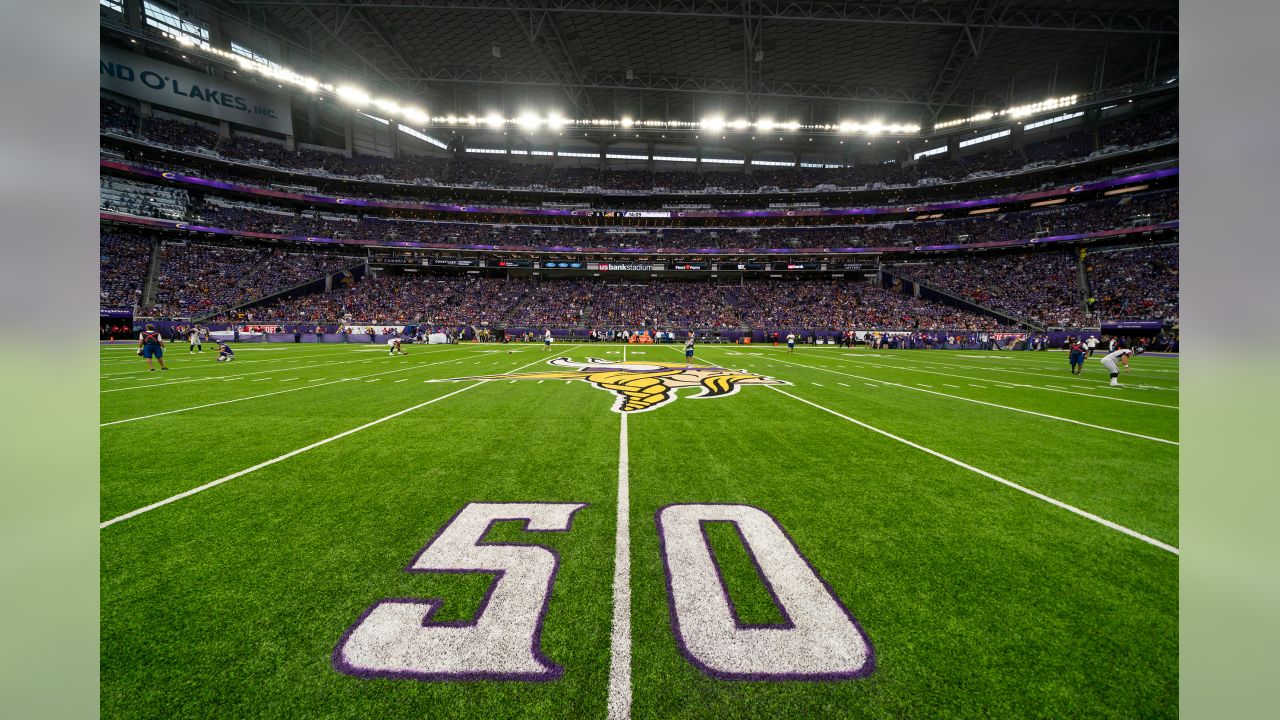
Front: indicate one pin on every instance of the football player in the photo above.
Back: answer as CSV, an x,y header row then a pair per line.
x,y
225,353
791,342
688,350
151,345
394,345
1122,354
1076,353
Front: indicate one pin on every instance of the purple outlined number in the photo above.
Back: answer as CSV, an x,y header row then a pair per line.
x,y
819,639
396,638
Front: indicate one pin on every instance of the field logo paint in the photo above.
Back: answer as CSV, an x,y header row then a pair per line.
x,y
643,386
399,637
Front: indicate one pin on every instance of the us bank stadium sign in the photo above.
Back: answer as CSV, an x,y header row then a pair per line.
x,y
629,266
176,87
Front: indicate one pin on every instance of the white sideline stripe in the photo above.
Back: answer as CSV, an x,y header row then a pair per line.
x,y
291,453
1009,483
303,358
994,405
215,377
277,392
620,636
273,461
1170,388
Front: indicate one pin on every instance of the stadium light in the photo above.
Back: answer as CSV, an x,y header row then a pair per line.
x,y
555,121
529,121
627,122
353,95
387,106
712,123
740,124
416,115
493,120
765,124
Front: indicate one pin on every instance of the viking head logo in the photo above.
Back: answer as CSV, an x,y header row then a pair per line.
x,y
644,386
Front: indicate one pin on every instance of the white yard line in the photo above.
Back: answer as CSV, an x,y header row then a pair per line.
x,y
279,458
620,636
240,375
277,392
291,453
975,401
990,476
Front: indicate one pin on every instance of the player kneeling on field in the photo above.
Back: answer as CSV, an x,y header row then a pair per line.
x,y
225,353
1109,362
394,345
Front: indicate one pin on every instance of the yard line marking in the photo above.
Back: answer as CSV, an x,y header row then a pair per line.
x,y
258,372
373,380
923,385
869,385
990,476
281,458
818,384
620,635
287,379
260,379
541,381
277,392
951,386
845,384
315,379
1023,385
512,382
402,380
1171,388
994,405
291,453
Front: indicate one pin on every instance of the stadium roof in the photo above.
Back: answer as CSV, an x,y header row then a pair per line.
x,y
903,60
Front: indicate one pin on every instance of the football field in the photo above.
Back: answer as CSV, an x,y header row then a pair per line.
x,y
493,531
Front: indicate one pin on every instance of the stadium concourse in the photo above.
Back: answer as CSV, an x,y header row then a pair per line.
x,y
588,359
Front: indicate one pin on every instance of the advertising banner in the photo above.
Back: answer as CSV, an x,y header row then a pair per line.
x,y
176,87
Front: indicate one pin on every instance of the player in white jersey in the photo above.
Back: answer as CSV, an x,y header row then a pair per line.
x,y
791,342
193,335
1109,362
546,339
394,345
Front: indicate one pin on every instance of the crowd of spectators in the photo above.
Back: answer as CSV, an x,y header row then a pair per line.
x,y
837,304
470,170
1134,283
124,258
402,299
656,304
1042,287
591,303
1125,211
200,278
143,199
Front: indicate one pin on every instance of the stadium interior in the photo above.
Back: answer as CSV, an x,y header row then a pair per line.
x,y
969,175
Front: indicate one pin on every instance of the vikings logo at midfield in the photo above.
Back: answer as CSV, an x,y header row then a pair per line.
x,y
644,386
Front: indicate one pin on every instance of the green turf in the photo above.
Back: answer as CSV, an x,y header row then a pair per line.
x,y
980,600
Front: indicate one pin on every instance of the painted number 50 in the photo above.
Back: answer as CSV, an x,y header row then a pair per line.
x,y
818,638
